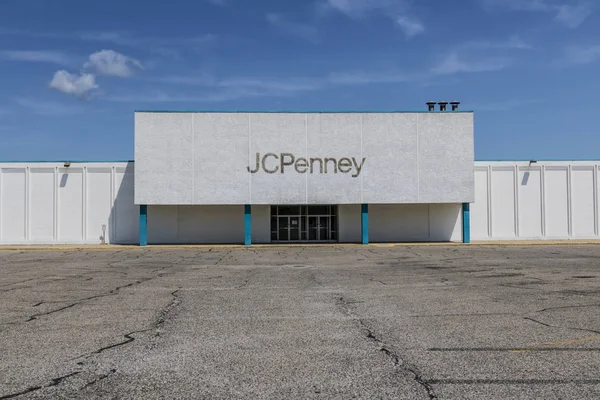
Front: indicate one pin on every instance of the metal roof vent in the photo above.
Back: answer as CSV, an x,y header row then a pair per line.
x,y
431,105
455,105
443,105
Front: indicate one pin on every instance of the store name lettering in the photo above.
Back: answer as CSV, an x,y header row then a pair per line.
x,y
272,163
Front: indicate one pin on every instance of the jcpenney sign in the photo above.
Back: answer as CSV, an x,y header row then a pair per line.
x,y
272,163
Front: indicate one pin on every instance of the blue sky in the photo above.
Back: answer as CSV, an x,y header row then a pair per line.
x,y
73,71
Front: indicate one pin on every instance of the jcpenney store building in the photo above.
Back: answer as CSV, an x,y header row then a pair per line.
x,y
298,177
303,177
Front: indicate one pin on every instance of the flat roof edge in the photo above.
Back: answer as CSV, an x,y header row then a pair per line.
x,y
298,112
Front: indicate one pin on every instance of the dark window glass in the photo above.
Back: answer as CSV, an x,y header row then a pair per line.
x,y
274,236
289,210
318,210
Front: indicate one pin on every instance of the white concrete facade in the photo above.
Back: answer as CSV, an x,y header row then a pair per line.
x,y
48,203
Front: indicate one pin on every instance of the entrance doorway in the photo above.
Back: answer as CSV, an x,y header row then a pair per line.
x,y
304,224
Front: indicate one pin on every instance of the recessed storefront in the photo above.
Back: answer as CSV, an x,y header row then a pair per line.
x,y
315,223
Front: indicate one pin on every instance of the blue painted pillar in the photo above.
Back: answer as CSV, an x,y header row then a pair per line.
x,y
247,225
466,227
143,225
364,223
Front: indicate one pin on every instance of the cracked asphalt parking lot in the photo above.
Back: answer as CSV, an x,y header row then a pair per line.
x,y
440,322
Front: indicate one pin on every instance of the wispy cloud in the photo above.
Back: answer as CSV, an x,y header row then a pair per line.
x,y
78,85
410,26
514,42
362,78
111,63
454,64
582,54
571,13
225,90
39,56
303,31
49,108
397,11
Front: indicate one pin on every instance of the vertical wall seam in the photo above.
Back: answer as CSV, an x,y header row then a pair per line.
x,y
489,200
306,154
569,203
543,198
418,166
84,202
55,208
595,200
361,157
516,200
111,215
249,157
27,204
193,160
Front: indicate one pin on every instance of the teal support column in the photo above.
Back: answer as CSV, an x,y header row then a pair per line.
x,y
466,227
247,225
143,225
364,223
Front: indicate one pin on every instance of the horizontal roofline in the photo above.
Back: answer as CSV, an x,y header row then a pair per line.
x,y
64,161
543,160
130,161
298,112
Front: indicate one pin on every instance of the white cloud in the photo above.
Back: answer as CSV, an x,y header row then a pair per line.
x,y
582,54
361,78
111,63
452,64
395,10
77,85
571,13
410,26
306,32
513,43
42,56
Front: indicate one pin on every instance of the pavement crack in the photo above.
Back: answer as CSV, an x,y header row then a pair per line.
x,y
109,293
54,382
167,310
567,307
99,378
395,358
561,327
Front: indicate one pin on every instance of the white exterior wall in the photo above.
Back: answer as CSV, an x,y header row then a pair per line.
x,y
415,222
543,200
48,203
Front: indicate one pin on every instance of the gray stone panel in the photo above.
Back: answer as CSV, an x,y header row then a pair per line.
x,y
163,158
334,136
220,153
446,158
208,158
277,134
389,144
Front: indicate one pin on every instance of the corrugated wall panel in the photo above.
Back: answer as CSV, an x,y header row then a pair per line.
x,y
583,202
124,213
530,202
41,204
503,202
98,204
479,209
557,201
70,205
14,202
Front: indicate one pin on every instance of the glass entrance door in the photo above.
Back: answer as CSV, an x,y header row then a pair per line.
x,y
303,223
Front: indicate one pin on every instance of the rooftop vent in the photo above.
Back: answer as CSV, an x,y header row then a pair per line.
x,y
455,105
431,105
443,105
